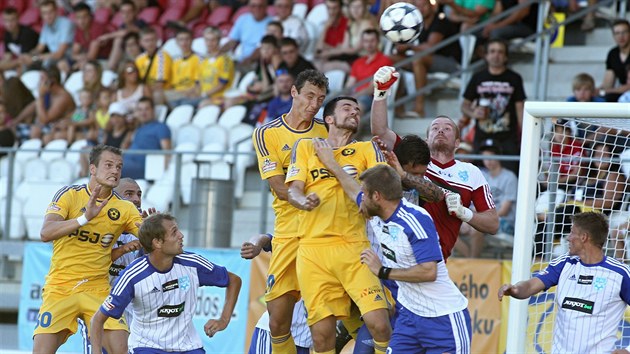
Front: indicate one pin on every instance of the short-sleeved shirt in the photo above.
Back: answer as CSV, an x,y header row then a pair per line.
x,y
590,301
61,32
249,32
503,189
84,256
614,63
337,218
161,67
214,71
277,107
362,69
164,303
273,143
407,238
472,4
25,41
185,73
147,137
335,34
503,91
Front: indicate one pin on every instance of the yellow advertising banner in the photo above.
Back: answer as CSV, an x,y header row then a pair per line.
x,y
479,280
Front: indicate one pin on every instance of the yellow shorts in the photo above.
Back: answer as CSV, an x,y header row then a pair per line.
x,y
59,311
282,277
333,276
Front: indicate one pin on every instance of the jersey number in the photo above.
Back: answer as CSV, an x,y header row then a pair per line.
x,y
85,235
43,319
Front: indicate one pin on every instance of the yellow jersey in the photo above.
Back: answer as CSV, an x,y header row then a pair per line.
x,y
84,256
185,74
214,71
337,218
273,143
160,68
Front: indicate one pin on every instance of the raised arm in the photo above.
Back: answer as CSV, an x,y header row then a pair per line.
x,y
231,295
384,79
486,221
522,289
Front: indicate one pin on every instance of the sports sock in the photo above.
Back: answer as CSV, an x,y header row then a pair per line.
x,y
380,347
283,344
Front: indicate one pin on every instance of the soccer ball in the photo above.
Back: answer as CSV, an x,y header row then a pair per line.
x,y
401,23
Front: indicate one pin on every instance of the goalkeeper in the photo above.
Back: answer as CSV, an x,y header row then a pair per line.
x,y
593,290
463,182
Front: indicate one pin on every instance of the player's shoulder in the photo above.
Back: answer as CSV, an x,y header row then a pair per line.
x,y
70,191
122,203
193,260
616,266
564,259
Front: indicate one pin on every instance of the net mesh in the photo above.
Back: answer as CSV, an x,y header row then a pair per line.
x,y
583,166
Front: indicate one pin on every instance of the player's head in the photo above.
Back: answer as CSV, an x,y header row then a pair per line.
x,y
129,189
159,232
106,165
413,154
380,184
343,113
308,92
443,135
588,227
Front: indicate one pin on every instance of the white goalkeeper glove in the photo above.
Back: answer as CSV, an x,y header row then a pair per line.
x,y
384,79
456,208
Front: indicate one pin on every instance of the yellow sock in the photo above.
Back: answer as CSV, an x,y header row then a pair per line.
x,y
326,352
283,344
380,347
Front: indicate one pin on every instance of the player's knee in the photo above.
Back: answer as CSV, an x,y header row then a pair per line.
x,y
380,329
279,325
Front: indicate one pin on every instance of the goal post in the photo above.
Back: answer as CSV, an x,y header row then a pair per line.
x,y
537,120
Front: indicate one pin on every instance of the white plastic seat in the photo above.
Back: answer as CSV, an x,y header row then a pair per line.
x,y
187,148
144,185
179,116
62,171
211,152
336,80
161,112
74,84
318,15
108,77
40,196
160,195
54,150
215,170
199,46
206,116
241,88
18,169
215,134
154,167
37,170
299,10
189,171
188,134
73,155
171,47
30,79
17,230
31,144
232,116
239,133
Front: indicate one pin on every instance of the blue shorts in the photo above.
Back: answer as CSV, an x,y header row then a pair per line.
x,y
158,351
445,334
261,343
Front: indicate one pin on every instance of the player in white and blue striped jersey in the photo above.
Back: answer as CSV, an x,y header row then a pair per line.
x,y
162,286
433,315
261,337
592,294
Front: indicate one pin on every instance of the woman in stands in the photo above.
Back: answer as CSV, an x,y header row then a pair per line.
x,y
130,89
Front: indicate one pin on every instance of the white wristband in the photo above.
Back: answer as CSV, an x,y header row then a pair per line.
x,y
468,215
82,220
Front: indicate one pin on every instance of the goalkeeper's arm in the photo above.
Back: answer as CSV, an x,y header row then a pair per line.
x,y
384,79
485,221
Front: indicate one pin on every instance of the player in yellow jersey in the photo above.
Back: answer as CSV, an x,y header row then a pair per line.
x,y
273,143
332,232
83,222
154,64
216,71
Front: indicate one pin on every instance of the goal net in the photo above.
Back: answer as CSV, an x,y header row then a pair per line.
x,y
575,157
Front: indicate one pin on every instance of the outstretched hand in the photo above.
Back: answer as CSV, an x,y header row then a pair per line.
x,y
392,160
92,209
507,290
384,79
149,211
250,250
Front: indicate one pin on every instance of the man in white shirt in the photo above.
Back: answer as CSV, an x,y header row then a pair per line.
x,y
593,290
